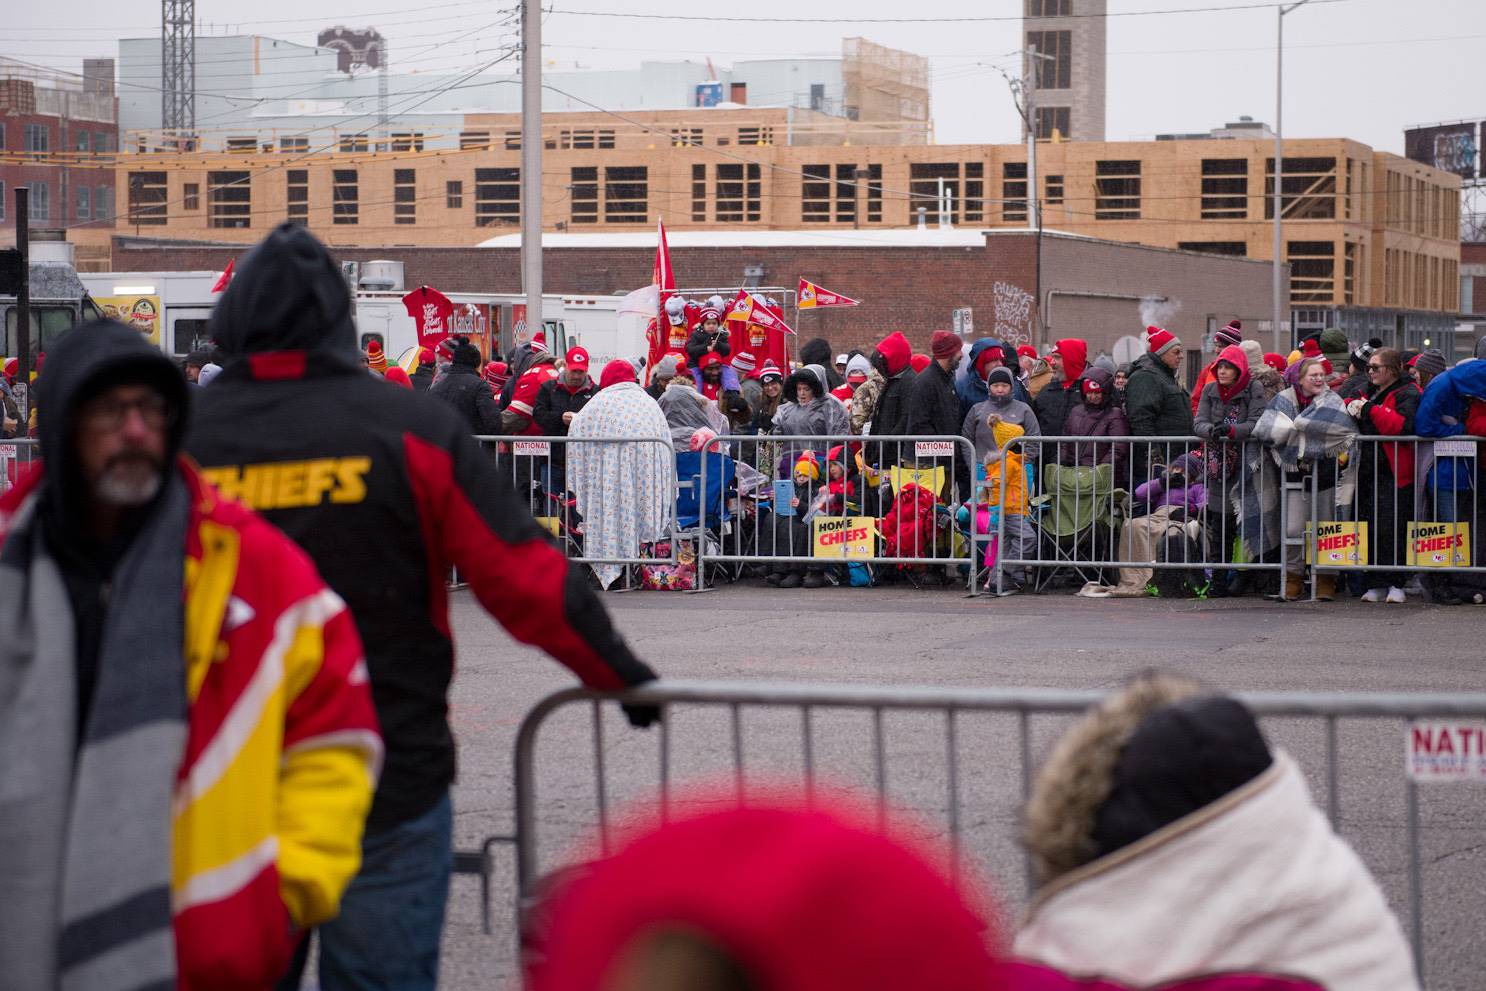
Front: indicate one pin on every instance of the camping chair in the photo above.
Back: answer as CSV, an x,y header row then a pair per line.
x,y
1080,512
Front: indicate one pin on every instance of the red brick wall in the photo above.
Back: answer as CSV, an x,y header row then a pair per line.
x,y
914,290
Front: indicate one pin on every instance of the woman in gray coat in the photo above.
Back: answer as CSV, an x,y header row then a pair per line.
x,y
1227,412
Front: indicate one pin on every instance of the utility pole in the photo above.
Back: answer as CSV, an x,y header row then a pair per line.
x,y
23,302
1280,288
1034,214
531,163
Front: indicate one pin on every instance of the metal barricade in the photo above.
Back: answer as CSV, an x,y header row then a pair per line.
x,y
1089,505
548,472
1400,509
840,509
944,724
16,456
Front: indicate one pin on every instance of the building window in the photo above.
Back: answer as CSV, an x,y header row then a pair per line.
x,y
404,196
298,145
1050,120
147,199
84,196
345,197
699,194
2,135
513,141
626,195
103,203
38,138
1349,272
229,199
1225,188
585,139
353,143
874,194
926,181
497,197
1237,249
1054,71
1048,8
1013,192
1117,190
41,200
1052,190
454,194
244,145
408,141
755,135
82,140
584,195
2,201
191,196
1309,189
738,192
1312,271
975,186
686,137
815,194
474,141
297,194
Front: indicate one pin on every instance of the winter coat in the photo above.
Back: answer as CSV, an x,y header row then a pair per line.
x,y
1103,420
1390,412
1057,399
1155,402
1442,412
971,387
422,378
391,490
516,419
864,401
982,434
700,342
554,399
1241,411
933,407
469,395
522,358
1176,844
823,416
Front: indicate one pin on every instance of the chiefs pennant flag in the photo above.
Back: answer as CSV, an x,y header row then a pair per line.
x,y
663,276
813,296
749,309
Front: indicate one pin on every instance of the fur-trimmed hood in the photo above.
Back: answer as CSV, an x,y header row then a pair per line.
x,y
1151,754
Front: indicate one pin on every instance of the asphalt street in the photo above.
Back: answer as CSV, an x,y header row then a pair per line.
x,y
896,636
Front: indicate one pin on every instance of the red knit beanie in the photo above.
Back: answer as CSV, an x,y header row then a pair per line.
x,y
944,344
1159,340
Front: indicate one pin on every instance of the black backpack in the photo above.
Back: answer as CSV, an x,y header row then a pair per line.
x,y
1175,547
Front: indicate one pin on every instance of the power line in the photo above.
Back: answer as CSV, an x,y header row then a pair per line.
x,y
852,19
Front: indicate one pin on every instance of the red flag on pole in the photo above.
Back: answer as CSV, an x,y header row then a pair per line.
x,y
663,277
224,278
813,296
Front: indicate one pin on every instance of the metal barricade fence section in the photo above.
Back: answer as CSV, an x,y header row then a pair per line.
x,y
16,456
1400,513
1120,516
961,763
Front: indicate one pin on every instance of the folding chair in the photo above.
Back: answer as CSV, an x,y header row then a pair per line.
x,y
1078,522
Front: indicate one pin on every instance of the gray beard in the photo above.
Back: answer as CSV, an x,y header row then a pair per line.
x,y
125,490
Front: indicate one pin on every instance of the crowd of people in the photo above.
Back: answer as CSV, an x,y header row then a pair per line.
x,y
225,659
1216,463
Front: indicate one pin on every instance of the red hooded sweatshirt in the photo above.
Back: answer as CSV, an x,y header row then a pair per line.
x,y
1075,359
895,351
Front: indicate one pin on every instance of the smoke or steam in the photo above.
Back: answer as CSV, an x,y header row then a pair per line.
x,y
1157,312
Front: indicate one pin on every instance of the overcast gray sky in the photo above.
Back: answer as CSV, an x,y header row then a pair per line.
x,y
1362,69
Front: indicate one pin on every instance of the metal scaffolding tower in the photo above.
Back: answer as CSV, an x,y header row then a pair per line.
x,y
178,66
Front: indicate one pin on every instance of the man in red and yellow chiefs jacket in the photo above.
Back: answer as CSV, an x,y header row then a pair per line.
x,y
386,489
186,727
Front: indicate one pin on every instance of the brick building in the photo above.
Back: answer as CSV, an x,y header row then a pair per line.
x,y
1362,229
907,280
52,125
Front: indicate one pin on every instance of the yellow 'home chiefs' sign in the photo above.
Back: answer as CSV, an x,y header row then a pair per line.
x,y
1440,545
1337,543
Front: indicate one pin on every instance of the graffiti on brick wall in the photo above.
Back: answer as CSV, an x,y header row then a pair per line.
x,y
1013,309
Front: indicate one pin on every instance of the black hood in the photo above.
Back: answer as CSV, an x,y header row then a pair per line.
x,y
288,295
82,363
817,351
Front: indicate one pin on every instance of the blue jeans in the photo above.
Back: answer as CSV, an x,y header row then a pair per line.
x,y
386,937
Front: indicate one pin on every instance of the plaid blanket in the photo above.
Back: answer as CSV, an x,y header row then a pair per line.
x,y
1294,439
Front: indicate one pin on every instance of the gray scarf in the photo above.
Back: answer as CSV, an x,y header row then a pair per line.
x,y
85,827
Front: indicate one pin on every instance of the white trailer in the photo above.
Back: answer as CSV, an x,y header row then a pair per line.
x,y
182,300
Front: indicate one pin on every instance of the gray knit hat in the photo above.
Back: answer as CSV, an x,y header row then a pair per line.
x,y
1430,363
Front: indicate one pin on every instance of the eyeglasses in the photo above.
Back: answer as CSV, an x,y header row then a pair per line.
x,y
1376,368
153,410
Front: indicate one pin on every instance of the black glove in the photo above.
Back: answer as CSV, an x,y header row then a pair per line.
x,y
641,716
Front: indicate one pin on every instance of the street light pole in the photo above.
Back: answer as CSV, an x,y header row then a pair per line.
x,y
1279,168
531,165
